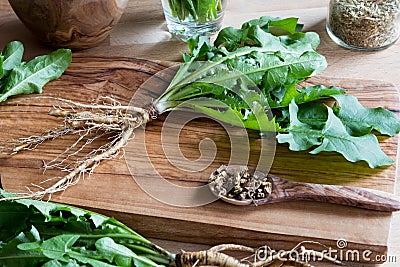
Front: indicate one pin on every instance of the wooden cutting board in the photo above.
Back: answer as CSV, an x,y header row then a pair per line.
x,y
112,189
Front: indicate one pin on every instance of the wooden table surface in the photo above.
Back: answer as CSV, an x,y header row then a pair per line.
x,y
142,33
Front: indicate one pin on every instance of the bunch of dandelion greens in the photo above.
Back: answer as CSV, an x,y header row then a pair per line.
x,y
38,233
274,55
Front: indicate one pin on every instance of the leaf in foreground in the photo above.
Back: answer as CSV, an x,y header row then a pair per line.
x,y
54,248
300,136
35,232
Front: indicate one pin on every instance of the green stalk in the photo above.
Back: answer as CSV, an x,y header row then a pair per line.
x,y
172,8
161,260
219,5
164,258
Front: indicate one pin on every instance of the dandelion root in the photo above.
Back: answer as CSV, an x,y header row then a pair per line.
x,y
215,257
89,122
207,258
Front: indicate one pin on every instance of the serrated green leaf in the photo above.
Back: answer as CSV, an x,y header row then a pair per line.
x,y
199,47
300,136
360,120
275,77
197,89
264,22
90,261
361,148
208,106
303,95
308,64
256,31
120,254
53,248
301,41
277,71
98,219
30,246
109,250
287,25
43,208
12,219
262,38
251,118
49,210
10,255
30,77
313,114
230,37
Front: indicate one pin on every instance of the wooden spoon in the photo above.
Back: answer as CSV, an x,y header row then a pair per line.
x,y
281,190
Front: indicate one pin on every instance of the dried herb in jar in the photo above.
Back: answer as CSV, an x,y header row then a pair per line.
x,y
369,24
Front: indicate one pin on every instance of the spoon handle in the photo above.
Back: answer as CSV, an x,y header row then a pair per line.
x,y
286,190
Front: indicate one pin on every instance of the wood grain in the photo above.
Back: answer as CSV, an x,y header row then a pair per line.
x,y
286,190
112,189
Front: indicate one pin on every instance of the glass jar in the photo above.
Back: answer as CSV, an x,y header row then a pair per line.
x,y
364,24
187,18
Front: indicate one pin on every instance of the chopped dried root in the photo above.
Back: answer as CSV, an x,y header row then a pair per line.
x,y
89,122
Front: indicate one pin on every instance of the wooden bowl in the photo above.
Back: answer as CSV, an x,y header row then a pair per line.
x,y
75,24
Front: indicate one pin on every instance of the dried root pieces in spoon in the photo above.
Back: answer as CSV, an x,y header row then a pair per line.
x,y
240,183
